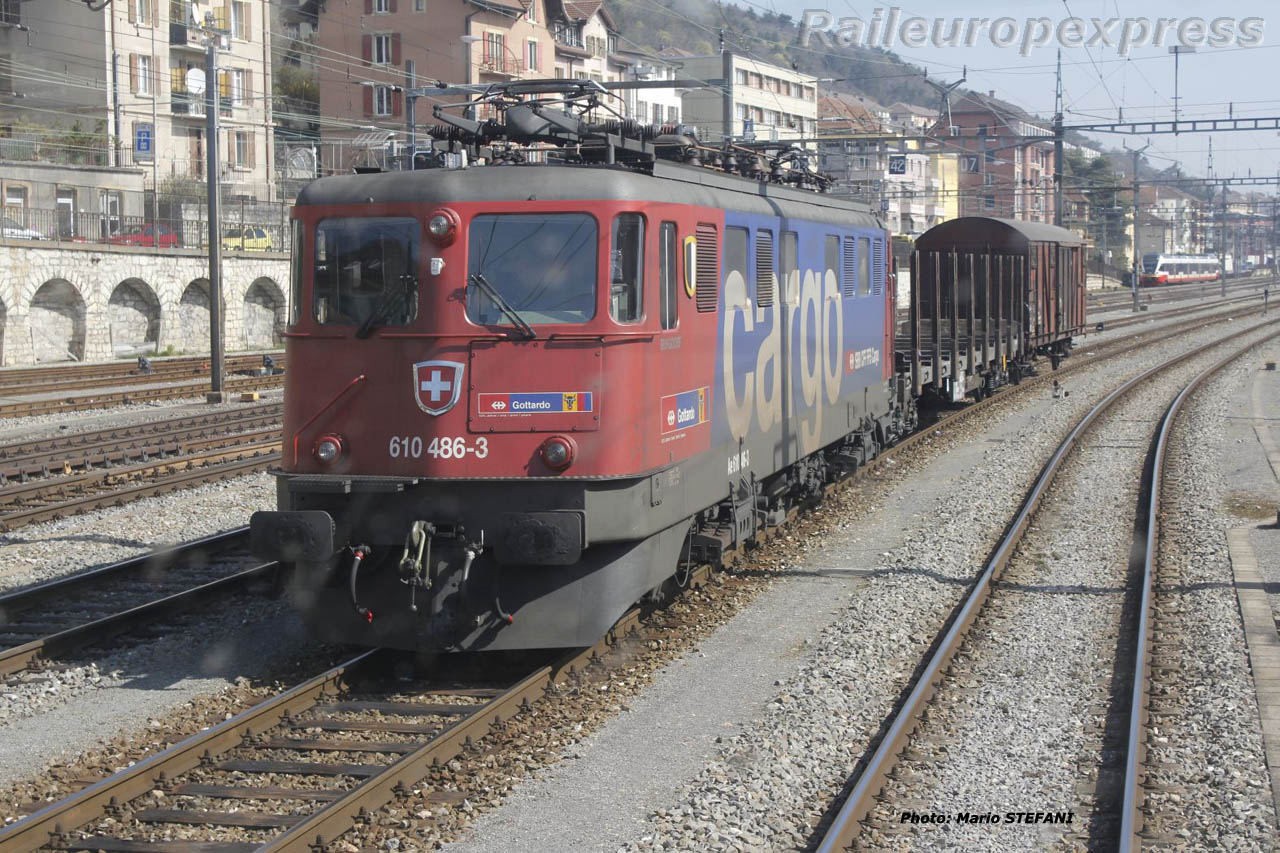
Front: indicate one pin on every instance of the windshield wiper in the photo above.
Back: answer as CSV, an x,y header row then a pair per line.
x,y
481,282
394,297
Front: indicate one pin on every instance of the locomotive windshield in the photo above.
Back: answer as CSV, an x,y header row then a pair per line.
x,y
1149,262
365,271
543,266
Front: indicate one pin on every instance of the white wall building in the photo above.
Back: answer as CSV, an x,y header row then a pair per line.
x,y
769,101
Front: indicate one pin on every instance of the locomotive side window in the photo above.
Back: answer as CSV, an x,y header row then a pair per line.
x,y
626,268
735,253
295,272
543,266
790,265
864,265
831,257
365,271
668,275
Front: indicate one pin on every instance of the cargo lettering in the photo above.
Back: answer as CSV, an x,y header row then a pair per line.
x,y
811,308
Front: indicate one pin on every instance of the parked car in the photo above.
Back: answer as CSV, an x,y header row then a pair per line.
x,y
247,239
14,230
150,236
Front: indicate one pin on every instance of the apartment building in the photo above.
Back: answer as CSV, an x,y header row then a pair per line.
x,y
110,88
1005,169
661,105
756,101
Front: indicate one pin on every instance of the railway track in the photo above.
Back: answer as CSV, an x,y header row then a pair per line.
x,y
24,379
1116,820
110,398
55,618
285,774
82,451
297,771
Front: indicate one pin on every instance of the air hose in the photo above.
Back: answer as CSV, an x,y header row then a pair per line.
x,y
357,557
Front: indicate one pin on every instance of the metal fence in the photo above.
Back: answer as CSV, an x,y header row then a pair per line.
x,y
140,219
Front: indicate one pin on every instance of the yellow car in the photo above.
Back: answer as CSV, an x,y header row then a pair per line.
x,y
247,239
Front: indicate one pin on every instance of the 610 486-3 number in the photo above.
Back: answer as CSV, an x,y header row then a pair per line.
x,y
441,447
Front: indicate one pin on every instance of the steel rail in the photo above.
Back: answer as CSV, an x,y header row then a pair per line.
x,y
65,588
24,408
1135,755
21,376
53,823
23,656
89,804
77,442
264,458
860,800
53,381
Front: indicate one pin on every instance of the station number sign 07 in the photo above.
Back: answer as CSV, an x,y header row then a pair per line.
x,y
440,447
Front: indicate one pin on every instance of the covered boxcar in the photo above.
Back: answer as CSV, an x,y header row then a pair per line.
x,y
989,295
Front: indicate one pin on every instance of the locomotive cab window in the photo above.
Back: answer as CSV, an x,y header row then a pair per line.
x,y
365,271
295,272
626,268
668,275
539,267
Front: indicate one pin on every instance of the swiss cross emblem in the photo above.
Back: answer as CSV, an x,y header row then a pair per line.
x,y
437,385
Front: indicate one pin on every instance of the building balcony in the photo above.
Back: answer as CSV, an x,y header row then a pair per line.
x,y
180,35
192,106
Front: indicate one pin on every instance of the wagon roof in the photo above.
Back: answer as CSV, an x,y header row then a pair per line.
x,y
981,231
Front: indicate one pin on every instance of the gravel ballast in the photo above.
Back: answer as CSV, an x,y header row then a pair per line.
x,y
917,545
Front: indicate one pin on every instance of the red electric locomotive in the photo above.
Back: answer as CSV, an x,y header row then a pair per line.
x,y
522,395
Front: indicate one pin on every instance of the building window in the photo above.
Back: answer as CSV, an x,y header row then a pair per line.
x,y
419,5
381,7
239,87
11,12
673,115
532,52
144,75
244,149
109,209
239,20
989,202
494,48
657,113
382,50
15,203
532,12
382,100
139,12
741,76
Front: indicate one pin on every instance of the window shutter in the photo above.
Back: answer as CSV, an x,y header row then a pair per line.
x,y
177,80
397,103
849,268
764,268
395,46
368,99
366,49
247,21
392,7
248,85
133,69
253,149
224,84
133,11
708,267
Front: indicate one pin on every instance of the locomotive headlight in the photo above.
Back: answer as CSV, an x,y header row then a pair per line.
x,y
328,449
442,225
557,452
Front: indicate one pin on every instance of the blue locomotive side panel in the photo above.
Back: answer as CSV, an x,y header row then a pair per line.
x,y
798,343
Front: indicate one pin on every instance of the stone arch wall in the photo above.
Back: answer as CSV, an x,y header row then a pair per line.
x,y
193,317
57,320
134,314
4,321
263,314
